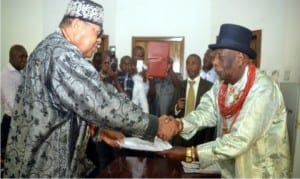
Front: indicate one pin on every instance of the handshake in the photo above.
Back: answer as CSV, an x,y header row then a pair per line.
x,y
169,127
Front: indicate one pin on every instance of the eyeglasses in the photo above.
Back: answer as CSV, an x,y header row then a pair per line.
x,y
100,34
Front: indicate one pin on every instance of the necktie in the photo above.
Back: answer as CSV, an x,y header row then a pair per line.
x,y
190,102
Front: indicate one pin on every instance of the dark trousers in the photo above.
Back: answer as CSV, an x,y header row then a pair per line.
x,y
5,126
101,154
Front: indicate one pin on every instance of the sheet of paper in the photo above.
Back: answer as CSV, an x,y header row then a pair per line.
x,y
193,167
139,144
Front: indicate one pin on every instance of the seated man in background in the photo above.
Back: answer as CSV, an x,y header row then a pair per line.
x,y
10,81
187,97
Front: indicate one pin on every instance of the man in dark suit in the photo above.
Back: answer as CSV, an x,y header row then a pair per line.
x,y
187,97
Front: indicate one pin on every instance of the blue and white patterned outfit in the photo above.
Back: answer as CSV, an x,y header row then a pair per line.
x,y
126,82
60,93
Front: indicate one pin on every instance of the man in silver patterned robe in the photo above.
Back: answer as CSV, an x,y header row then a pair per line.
x,y
60,94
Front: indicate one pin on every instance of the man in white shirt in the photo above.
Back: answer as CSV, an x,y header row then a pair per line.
x,y
10,80
139,77
140,88
208,71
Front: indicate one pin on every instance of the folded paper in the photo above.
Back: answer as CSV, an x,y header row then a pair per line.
x,y
139,144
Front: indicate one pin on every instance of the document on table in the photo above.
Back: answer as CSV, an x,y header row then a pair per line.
x,y
139,144
194,167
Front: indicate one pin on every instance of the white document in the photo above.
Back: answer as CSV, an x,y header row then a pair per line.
x,y
139,144
194,167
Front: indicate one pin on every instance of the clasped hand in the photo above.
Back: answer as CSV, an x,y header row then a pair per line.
x,y
168,127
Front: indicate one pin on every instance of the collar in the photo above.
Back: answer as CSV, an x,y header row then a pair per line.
x,y
239,85
196,79
11,68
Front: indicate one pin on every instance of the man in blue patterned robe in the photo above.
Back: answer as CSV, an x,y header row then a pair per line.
x,y
60,94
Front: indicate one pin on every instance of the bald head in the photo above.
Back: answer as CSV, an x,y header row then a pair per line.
x,y
18,56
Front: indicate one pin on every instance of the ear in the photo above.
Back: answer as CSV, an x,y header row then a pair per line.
x,y
241,58
76,25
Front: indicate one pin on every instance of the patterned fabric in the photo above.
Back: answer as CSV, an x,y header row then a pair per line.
x,y
257,146
86,10
60,93
126,82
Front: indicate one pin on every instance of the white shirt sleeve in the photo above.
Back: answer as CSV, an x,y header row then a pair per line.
x,y
139,96
10,81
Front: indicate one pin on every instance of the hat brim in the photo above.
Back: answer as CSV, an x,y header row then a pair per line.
x,y
86,20
234,46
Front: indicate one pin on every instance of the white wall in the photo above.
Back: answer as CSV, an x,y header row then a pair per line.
x,y
28,22
291,41
52,13
188,18
20,24
256,14
279,21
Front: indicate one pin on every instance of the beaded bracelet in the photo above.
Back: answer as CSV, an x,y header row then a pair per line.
x,y
193,154
188,154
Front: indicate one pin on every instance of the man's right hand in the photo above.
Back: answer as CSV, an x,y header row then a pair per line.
x,y
180,103
175,153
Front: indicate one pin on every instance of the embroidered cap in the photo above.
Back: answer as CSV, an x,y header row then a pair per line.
x,y
86,10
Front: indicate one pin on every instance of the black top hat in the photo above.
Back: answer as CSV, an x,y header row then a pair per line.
x,y
234,37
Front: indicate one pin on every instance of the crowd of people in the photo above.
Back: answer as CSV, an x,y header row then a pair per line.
x,y
64,116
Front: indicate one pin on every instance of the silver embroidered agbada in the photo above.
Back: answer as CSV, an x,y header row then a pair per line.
x,y
60,93
257,145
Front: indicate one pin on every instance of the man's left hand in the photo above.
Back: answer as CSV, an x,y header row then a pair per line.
x,y
111,137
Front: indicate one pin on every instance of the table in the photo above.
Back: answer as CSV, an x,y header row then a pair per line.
x,y
143,167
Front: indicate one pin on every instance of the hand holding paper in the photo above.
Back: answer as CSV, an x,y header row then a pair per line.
x,y
175,153
111,137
